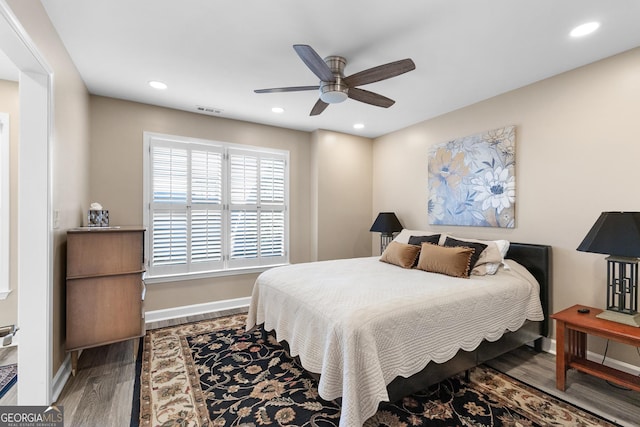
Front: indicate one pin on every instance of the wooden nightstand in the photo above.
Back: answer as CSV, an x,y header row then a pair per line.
x,y
572,329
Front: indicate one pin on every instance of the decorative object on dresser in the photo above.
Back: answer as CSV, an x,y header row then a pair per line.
x,y
617,234
105,290
386,224
97,216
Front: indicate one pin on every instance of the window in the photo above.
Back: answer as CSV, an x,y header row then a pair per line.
x,y
4,206
213,207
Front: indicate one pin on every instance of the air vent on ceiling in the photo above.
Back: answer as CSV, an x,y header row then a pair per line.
x,y
209,110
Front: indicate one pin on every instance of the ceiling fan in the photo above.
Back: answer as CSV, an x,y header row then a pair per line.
x,y
335,87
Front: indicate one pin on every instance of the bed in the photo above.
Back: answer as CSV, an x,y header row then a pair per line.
x,y
375,332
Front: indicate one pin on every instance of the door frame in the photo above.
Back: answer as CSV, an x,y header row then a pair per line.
x,y
34,226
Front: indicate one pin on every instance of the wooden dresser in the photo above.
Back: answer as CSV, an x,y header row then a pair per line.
x,y
105,291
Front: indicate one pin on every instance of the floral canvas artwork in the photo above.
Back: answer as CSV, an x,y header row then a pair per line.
x,y
472,180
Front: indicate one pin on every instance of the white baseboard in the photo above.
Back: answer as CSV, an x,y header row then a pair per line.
x,y
61,377
195,309
549,346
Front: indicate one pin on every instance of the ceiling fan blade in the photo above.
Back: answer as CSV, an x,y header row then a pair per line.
x,y
287,89
381,72
370,97
318,107
315,63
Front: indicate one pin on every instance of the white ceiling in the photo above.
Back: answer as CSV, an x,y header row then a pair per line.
x,y
215,53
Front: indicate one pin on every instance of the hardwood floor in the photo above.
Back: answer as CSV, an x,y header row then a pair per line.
x,y
593,394
101,393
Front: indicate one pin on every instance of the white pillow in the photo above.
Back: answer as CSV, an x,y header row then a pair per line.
x,y
489,267
503,246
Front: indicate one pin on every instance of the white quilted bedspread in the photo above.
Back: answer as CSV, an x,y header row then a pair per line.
x,y
361,322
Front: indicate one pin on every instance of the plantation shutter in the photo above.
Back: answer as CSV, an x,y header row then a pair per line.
x,y
257,208
186,208
272,202
214,207
169,208
206,209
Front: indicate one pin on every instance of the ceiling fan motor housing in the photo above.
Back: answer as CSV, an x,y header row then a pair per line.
x,y
334,92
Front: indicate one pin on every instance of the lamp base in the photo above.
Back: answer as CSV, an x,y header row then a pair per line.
x,y
616,316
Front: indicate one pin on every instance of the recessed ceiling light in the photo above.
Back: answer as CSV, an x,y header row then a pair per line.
x,y
358,126
277,110
584,29
157,85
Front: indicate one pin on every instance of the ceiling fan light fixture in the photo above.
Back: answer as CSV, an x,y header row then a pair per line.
x,y
333,96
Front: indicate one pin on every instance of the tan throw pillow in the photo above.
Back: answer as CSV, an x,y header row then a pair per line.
x,y
453,261
401,254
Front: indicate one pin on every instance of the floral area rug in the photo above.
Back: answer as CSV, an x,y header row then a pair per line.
x,y
8,377
214,373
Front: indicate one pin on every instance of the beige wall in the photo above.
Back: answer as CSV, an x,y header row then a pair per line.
x,y
577,142
116,181
69,151
342,195
9,103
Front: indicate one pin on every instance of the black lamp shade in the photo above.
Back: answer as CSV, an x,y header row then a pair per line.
x,y
614,233
386,223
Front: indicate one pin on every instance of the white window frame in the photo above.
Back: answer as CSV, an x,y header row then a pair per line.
x,y
227,266
5,212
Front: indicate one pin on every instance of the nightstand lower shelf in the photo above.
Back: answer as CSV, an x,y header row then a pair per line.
x,y
572,329
606,373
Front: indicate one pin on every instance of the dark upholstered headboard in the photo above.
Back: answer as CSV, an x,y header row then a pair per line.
x,y
536,259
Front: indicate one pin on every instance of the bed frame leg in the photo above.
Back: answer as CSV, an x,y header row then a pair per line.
x,y
467,375
537,345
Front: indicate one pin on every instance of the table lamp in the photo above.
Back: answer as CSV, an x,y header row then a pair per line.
x,y
617,234
386,223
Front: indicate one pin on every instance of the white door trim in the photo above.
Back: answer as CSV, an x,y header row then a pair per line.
x,y
35,276
5,212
